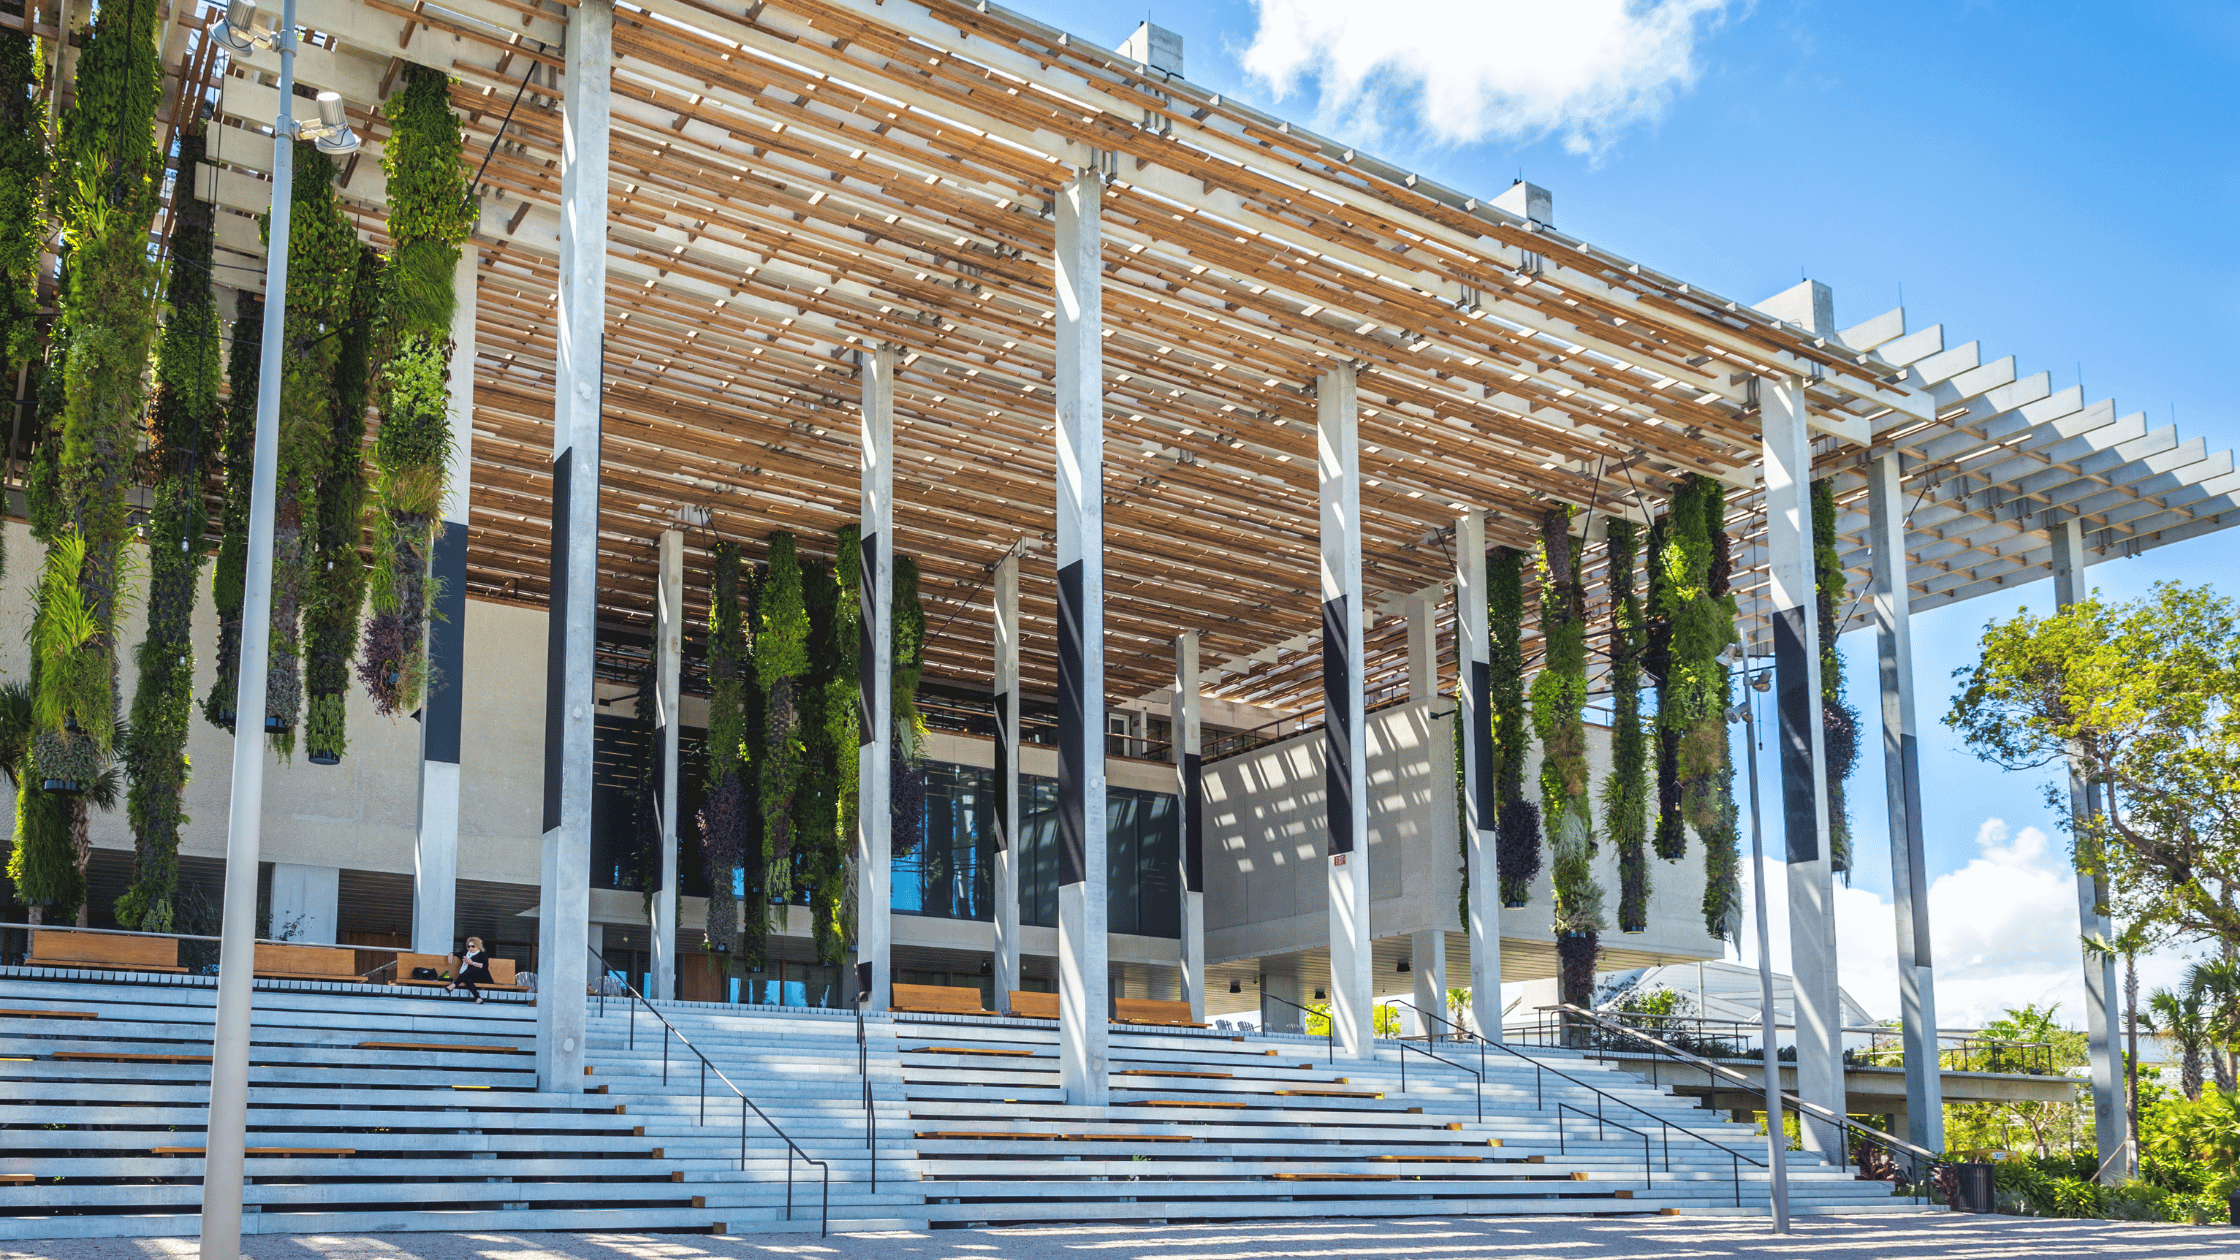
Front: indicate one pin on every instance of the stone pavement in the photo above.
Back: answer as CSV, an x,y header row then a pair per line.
x,y
1929,1236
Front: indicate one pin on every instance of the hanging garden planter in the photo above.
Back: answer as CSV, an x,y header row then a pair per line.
x,y
277,725
321,757
63,787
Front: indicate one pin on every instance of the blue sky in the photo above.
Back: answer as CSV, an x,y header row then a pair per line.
x,y
2058,180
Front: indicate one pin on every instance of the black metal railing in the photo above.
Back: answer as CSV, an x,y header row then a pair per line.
x,y
1540,1073
1476,1074
1877,1155
668,1030
1329,1025
1743,1040
870,1107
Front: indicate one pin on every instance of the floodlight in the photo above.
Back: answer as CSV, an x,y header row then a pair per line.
x,y
332,132
236,32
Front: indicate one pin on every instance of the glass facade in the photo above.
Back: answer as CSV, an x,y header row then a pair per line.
x,y
1142,840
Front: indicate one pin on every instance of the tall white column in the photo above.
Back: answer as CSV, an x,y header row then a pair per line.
x,y
1345,738
1084,1058
668,670
1474,710
564,910
1427,965
875,683
1005,585
1804,798
1190,807
225,1130
1423,649
435,849
1901,761
2103,1016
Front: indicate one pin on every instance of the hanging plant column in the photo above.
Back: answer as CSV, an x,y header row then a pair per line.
x,y
1625,793
1839,722
430,214
23,177
236,447
183,420
322,272
1692,575
1516,833
727,819
781,662
1559,700
338,571
828,849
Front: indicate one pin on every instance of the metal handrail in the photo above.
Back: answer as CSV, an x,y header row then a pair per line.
x,y
1648,1177
1539,1097
669,1030
1475,1074
1329,1028
870,1109
1868,1133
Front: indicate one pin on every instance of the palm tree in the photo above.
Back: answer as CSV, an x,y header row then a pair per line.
x,y
2216,985
2177,1019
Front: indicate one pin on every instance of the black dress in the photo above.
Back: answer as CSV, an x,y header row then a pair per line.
x,y
474,966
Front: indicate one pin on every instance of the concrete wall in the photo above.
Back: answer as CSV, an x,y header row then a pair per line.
x,y
1266,877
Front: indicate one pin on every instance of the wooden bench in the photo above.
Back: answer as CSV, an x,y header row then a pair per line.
x,y
305,962
50,1014
1152,1011
1335,1177
1209,1076
501,972
1025,1005
17,1179
1007,1054
1183,1102
938,999
110,1056
62,947
262,1150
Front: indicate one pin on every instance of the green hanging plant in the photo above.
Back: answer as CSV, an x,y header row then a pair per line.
x,y
106,200
1625,793
236,448
781,660
1516,834
431,215
322,273
826,864
183,419
1559,698
338,571
1722,862
728,818
1692,568
906,785
1839,722
1669,828
23,179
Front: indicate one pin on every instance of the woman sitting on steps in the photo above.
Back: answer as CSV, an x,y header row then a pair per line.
x,y
469,968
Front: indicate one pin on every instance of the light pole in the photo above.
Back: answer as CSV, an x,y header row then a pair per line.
x,y
1777,1129
225,1134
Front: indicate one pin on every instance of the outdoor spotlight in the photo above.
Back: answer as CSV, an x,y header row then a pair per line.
x,y
332,132
1320,996
1403,968
236,32
1235,987
1763,681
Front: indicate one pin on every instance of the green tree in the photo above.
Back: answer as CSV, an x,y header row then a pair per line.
x,y
2176,1019
2141,699
2215,985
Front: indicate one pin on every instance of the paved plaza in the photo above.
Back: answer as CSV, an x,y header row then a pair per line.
x,y
1930,1236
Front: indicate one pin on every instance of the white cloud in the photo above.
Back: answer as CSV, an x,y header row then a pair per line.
x,y
2003,932
1469,69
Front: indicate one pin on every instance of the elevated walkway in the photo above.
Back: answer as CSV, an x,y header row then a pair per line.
x,y
376,1110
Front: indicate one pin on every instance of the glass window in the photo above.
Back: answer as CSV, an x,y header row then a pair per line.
x,y
948,870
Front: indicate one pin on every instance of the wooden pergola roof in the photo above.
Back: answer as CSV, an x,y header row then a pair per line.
x,y
794,180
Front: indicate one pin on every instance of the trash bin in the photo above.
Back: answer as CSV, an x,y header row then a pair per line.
x,y
1978,1187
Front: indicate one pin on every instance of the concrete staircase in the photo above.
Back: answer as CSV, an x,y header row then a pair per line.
x,y
377,1109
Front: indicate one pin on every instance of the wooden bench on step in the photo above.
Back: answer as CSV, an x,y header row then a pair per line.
x,y
937,999
14,1014
1152,1011
501,972
1025,1005
305,962
62,947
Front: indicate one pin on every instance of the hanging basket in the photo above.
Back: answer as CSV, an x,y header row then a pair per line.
x,y
63,787
321,757
1514,905
225,719
277,725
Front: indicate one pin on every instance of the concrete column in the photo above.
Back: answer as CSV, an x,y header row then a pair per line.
x,y
308,900
1345,737
668,669
564,909
1282,983
2103,1015
1474,710
435,850
1427,963
1901,761
1190,799
1006,594
1796,649
1084,1059
875,682
1423,649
